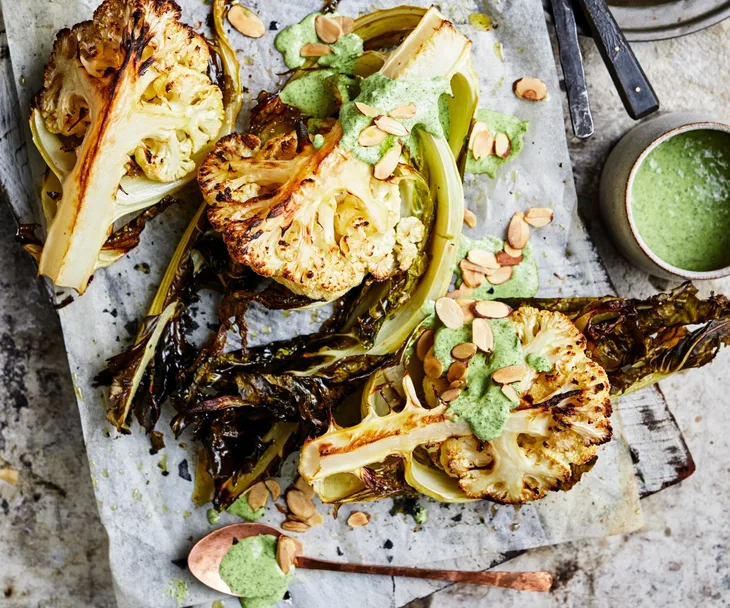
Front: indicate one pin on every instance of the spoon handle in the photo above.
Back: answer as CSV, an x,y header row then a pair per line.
x,y
522,581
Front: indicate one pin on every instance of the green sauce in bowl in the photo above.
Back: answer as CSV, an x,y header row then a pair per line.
x,y
680,200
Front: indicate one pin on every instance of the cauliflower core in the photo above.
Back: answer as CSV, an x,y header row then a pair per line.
x,y
316,221
561,418
132,85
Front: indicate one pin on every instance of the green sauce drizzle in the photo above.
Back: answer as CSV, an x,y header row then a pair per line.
x,y
241,509
539,363
512,126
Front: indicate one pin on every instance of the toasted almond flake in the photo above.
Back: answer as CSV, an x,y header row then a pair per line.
x,y
367,110
432,367
479,127
424,344
450,395
457,371
472,279
500,276
502,145
246,21
450,313
457,383
286,553
328,30
258,496
539,216
391,125
466,307
358,519
487,259
291,525
315,49
491,309
465,264
510,393
505,259
9,475
509,250
509,374
347,24
301,485
273,487
483,145
464,351
531,89
371,136
518,232
462,292
316,519
299,504
388,163
482,335
469,218
404,112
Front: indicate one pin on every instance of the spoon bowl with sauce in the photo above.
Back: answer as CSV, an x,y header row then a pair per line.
x,y
230,558
665,197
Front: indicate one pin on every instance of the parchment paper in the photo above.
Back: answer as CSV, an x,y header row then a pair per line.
x,y
149,516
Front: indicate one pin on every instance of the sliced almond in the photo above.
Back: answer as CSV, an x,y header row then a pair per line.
x,y
450,313
479,127
246,21
388,163
328,30
483,145
518,232
464,351
291,525
315,49
432,367
450,395
258,496
316,519
367,110
301,485
509,374
392,126
457,383
490,309
510,393
358,519
466,307
469,218
371,136
539,216
465,264
497,277
299,504
286,553
487,259
472,279
424,344
509,250
502,145
505,259
457,371
531,89
347,24
482,335
404,112
274,488
462,292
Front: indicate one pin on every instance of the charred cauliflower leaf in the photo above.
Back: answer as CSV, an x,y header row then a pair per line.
x,y
125,112
316,220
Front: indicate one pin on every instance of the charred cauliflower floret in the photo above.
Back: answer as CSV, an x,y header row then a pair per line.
x,y
129,93
562,416
316,221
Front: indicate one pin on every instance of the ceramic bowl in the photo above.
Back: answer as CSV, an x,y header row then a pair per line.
x,y
617,180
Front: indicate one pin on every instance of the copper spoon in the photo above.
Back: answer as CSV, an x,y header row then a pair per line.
x,y
205,558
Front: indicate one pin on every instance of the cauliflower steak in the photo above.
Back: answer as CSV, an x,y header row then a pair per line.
x,y
316,220
125,95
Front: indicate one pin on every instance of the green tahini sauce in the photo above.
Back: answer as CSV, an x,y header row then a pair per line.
x,y
242,509
680,200
482,403
250,570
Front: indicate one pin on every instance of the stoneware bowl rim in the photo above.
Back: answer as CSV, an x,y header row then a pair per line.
x,y
675,270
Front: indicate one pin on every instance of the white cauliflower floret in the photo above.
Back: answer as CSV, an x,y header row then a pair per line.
x,y
316,221
133,85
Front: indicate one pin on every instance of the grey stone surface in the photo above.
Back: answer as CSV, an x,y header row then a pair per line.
x,y
52,547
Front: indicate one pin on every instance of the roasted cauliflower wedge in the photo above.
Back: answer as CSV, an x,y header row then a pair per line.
x,y
317,221
125,112
554,429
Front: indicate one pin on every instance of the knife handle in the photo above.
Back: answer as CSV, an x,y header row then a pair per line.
x,y
633,86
